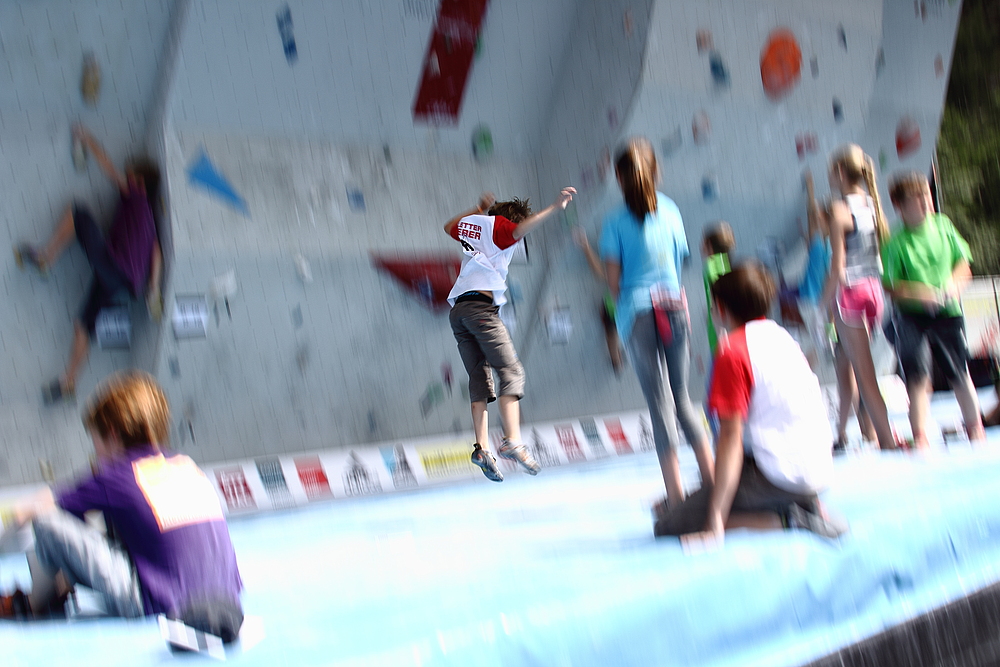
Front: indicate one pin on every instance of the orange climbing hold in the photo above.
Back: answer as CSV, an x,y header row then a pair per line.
x,y
780,63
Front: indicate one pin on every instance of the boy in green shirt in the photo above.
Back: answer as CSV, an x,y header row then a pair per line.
x,y
925,268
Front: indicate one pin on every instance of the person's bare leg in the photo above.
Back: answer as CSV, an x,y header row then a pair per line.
x,y
919,392
846,392
754,521
968,401
670,468
865,423
858,348
78,357
62,236
481,423
510,416
706,464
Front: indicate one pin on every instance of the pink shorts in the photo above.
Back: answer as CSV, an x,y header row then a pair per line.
x,y
862,303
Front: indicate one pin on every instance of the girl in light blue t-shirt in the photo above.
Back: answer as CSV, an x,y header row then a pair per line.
x,y
643,246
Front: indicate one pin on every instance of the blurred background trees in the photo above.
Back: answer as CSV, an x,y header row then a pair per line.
x,y
969,145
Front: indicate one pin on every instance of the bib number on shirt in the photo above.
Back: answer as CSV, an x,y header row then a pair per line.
x,y
177,491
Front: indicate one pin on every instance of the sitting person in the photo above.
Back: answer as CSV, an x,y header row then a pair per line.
x,y
168,549
127,263
773,450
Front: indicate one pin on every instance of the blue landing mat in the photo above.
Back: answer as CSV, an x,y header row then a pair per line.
x,y
562,570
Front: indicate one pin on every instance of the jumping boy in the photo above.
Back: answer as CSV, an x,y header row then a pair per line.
x,y
925,268
483,341
172,554
126,264
773,450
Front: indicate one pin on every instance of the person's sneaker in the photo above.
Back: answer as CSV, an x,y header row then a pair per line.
x,y
485,460
26,254
800,518
515,451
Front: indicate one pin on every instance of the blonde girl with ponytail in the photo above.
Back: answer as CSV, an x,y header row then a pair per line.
x,y
853,289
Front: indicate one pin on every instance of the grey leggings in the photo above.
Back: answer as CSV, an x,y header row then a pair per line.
x,y
649,356
86,557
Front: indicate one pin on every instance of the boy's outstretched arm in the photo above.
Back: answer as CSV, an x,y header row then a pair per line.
x,y
485,201
529,223
728,468
95,148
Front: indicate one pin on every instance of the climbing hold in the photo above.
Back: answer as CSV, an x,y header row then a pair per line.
x,y
718,69
701,127
90,80
907,137
780,63
482,142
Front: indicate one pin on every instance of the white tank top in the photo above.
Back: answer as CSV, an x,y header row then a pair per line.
x,y
861,250
485,264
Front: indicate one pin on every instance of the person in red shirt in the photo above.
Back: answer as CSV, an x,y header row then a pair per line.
x,y
488,234
773,452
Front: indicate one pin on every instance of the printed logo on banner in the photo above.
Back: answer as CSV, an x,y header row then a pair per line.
x,y
589,427
273,479
543,453
445,461
570,445
313,478
358,480
234,487
617,435
398,466
646,443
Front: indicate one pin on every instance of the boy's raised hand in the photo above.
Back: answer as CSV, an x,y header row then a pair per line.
x,y
486,200
565,197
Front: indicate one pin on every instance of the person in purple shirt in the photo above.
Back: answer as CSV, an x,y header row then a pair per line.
x,y
126,264
167,550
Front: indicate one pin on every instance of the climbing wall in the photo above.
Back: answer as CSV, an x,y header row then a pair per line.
x,y
739,98
44,46
297,152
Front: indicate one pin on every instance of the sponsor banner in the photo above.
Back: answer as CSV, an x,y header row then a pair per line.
x,y
448,459
233,487
312,478
982,316
272,477
359,471
274,482
397,462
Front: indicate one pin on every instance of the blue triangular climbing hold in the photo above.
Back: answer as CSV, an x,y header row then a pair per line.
x,y
203,172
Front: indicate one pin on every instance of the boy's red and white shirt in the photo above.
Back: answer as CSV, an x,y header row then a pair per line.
x,y
488,242
761,376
